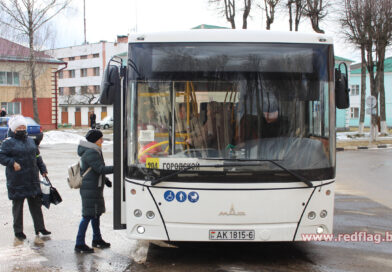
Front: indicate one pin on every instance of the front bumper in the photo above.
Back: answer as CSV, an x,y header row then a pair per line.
x,y
281,215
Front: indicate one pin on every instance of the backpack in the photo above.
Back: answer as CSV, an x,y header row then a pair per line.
x,y
74,176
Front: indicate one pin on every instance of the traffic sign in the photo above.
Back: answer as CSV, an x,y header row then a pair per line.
x,y
371,111
371,101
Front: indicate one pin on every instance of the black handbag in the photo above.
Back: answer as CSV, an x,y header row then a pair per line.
x,y
45,193
54,196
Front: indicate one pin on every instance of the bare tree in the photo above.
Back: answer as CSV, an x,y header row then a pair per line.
x,y
67,99
269,8
357,27
298,7
370,26
230,12
382,30
354,29
378,24
27,17
316,10
228,9
89,96
245,14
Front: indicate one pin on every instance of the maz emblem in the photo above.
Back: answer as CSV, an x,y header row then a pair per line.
x,y
232,212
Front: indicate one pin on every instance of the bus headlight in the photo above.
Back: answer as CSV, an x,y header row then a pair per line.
x,y
311,215
137,213
323,214
150,214
140,229
320,229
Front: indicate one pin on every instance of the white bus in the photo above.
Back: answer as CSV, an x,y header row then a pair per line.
x,y
225,135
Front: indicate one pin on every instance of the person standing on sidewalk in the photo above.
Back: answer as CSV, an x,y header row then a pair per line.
x,y
91,191
93,118
20,155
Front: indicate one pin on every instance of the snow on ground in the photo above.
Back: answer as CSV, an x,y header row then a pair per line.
x,y
348,135
54,137
353,135
60,137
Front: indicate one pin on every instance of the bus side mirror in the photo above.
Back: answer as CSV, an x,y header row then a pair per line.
x,y
111,84
342,97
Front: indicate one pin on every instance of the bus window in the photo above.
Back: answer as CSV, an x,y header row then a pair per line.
x,y
213,101
204,119
153,119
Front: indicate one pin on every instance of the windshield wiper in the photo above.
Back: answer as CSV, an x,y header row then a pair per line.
x,y
298,176
225,164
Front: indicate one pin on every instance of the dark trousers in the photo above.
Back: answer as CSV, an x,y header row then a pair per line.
x,y
80,238
35,211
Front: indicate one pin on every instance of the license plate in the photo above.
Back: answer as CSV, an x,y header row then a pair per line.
x,y
232,234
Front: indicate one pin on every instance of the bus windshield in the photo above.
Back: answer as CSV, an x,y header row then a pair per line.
x,y
199,104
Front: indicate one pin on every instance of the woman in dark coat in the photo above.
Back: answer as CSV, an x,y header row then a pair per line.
x,y
21,157
91,191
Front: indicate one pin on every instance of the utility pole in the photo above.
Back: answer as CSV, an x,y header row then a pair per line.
x,y
136,16
84,18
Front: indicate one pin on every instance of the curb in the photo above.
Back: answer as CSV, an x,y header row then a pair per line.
x,y
363,147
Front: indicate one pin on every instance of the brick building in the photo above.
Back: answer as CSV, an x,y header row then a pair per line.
x,y
15,83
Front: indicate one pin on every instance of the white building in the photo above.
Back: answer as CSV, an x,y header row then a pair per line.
x,y
79,83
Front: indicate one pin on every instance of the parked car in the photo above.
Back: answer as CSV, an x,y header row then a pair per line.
x,y
105,123
34,130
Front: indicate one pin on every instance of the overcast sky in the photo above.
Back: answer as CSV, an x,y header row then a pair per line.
x,y
108,18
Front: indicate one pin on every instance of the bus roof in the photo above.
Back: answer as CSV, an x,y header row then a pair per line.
x,y
230,35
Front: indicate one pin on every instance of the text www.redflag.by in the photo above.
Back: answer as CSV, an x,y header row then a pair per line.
x,y
361,236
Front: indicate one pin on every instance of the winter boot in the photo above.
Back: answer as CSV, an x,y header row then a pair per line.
x,y
100,244
83,249
20,235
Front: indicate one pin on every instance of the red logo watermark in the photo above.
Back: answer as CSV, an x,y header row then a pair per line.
x,y
360,236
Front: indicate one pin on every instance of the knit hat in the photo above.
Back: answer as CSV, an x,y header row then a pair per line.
x,y
17,121
93,135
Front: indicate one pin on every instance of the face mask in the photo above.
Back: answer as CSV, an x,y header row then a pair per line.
x,y
20,134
